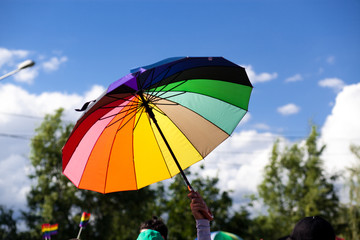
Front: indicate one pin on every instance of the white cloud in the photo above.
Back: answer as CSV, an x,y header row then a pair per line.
x,y
261,77
261,126
334,83
14,162
295,78
54,63
288,109
239,162
245,119
342,128
14,183
9,59
243,155
26,75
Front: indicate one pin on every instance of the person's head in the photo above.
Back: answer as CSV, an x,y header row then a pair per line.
x,y
155,224
313,228
149,234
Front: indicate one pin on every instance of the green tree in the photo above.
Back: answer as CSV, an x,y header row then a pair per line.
x,y
8,228
180,222
117,216
241,224
354,196
296,186
52,197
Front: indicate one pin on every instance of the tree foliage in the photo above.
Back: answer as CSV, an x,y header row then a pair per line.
x,y
351,213
180,222
7,224
295,185
51,198
354,194
115,216
54,199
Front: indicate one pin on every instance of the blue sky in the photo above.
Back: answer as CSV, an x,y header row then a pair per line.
x,y
302,57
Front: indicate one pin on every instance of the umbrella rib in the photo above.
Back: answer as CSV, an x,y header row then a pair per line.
x,y
157,127
141,112
180,83
153,78
160,92
161,112
108,163
120,106
119,98
133,110
176,94
166,104
137,80
157,141
110,116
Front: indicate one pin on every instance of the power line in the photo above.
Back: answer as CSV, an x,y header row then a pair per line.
x,y
21,115
24,137
31,116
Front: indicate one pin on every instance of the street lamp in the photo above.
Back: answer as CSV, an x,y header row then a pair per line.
x,y
23,65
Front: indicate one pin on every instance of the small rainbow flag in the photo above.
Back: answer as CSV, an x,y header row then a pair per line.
x,y
53,228
84,219
49,229
45,229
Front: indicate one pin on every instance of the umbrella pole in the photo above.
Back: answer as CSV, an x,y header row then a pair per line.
x,y
208,214
173,155
152,116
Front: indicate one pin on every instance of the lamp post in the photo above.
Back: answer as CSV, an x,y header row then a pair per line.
x,y
23,65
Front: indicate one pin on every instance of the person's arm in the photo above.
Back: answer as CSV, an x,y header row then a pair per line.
x,y
201,214
203,229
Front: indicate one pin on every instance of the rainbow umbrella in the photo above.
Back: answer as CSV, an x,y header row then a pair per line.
x,y
154,122
220,235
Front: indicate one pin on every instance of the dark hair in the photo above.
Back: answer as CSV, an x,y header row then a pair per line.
x,y
155,224
313,228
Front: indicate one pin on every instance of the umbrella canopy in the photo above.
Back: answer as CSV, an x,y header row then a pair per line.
x,y
154,122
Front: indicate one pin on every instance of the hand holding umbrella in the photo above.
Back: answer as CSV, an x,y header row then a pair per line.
x,y
199,208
